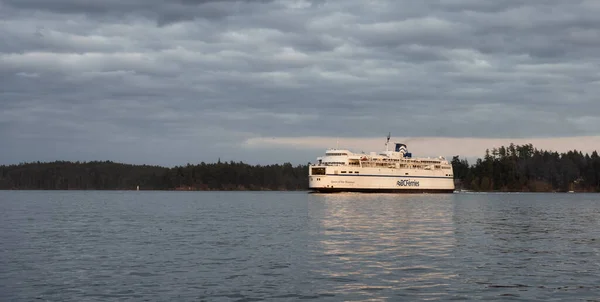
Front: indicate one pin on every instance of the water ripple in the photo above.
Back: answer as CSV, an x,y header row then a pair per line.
x,y
273,246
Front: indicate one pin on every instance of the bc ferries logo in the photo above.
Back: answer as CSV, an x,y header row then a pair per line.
x,y
407,183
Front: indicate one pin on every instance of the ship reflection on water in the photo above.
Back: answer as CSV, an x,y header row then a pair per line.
x,y
375,246
455,246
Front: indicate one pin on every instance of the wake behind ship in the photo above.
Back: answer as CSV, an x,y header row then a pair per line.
x,y
385,172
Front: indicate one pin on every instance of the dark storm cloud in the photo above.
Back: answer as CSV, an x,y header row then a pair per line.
x,y
179,81
163,11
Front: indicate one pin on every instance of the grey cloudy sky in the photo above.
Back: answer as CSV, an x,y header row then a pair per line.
x,y
178,81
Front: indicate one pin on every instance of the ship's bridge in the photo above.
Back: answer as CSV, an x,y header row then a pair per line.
x,y
337,152
334,157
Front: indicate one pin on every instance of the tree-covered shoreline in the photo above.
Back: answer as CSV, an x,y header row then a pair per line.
x,y
516,168
523,168
107,175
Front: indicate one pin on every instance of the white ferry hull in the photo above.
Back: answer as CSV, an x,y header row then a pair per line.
x,y
393,181
403,191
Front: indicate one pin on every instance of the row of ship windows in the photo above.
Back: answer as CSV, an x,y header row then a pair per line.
x,y
321,171
356,172
336,154
402,166
404,173
333,163
384,165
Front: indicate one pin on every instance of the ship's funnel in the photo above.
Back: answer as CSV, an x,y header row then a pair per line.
x,y
401,148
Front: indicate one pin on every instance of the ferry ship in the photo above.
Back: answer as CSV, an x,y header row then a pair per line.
x,y
396,171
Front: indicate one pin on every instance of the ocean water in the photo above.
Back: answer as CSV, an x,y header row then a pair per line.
x,y
290,246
